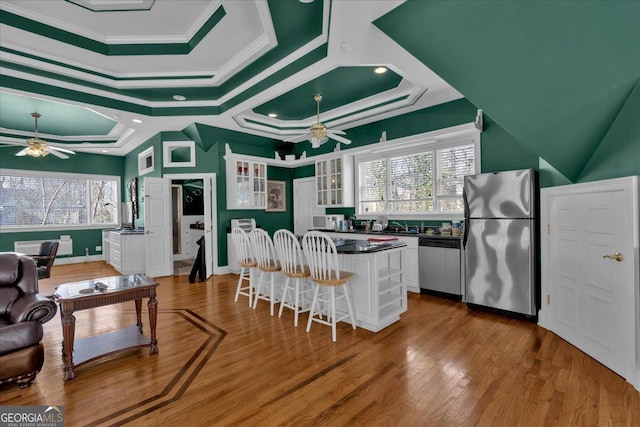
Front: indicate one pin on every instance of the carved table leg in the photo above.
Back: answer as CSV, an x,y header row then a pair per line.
x,y
153,316
139,315
68,334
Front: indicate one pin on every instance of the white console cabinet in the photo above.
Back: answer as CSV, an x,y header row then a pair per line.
x,y
124,251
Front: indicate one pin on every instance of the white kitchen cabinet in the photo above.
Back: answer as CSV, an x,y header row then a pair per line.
x,y
409,256
246,183
410,263
124,251
377,290
334,182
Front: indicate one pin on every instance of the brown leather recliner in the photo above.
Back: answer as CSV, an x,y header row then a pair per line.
x,y
22,313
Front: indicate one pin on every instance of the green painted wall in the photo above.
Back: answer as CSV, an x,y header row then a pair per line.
x,y
210,150
500,151
77,163
554,74
619,151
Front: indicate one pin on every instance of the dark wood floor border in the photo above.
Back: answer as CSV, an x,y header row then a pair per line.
x,y
183,378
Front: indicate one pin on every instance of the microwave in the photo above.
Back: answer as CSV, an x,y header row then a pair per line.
x,y
327,222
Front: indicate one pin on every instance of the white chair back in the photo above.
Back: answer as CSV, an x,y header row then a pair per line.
x,y
289,251
321,255
242,244
263,250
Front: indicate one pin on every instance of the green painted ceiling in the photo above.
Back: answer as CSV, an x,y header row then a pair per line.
x,y
559,76
555,74
338,87
55,117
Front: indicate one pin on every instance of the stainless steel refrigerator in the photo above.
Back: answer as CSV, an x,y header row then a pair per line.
x,y
501,241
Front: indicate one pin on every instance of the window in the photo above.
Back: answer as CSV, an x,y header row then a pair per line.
x,y
426,180
145,162
33,199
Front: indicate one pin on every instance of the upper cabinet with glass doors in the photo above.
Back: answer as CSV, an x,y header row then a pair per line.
x,y
246,184
334,182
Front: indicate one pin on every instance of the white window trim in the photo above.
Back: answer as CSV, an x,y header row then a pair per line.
x,y
54,227
167,146
408,147
142,157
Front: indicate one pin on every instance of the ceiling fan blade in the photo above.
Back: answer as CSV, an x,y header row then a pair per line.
x,y
14,143
297,138
64,150
336,131
56,153
338,138
22,153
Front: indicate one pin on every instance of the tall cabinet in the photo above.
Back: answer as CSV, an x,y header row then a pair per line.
x,y
334,182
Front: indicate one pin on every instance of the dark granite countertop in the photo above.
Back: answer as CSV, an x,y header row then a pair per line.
x,y
352,246
400,233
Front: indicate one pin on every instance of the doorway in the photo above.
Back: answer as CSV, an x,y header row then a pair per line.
x,y
194,216
187,206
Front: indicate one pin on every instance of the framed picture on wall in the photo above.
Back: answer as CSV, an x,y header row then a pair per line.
x,y
276,196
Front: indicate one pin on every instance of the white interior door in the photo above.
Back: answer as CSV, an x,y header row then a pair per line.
x,y
157,227
210,225
304,205
588,297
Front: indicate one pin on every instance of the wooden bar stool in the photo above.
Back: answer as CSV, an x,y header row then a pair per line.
x,y
268,264
293,267
322,256
245,260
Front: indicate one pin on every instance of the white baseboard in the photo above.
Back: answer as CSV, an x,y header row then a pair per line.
x,y
222,270
76,259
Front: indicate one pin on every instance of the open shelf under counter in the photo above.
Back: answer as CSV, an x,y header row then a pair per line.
x,y
377,290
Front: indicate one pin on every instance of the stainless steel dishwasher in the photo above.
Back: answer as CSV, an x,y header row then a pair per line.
x,y
440,261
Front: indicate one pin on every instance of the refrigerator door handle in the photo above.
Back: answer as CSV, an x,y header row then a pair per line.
x,y
467,224
466,203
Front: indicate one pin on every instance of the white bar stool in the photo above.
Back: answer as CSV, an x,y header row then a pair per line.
x,y
267,263
293,267
246,260
322,256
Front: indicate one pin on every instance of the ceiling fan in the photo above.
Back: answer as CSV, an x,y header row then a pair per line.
x,y
35,147
318,133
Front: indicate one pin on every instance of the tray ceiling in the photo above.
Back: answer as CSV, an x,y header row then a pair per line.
x,y
173,63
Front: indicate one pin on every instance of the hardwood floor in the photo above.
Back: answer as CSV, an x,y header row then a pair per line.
x,y
222,363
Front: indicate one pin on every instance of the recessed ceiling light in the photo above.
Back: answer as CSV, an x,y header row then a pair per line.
x,y
179,98
104,151
136,120
272,115
305,1
380,70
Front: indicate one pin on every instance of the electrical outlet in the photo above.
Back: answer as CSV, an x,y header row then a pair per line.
x,y
98,248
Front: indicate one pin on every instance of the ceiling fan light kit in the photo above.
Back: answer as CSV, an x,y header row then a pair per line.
x,y
39,148
318,133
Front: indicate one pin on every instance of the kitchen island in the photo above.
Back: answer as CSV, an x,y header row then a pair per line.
x,y
377,288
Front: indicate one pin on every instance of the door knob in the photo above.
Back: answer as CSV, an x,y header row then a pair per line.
x,y
147,232
617,256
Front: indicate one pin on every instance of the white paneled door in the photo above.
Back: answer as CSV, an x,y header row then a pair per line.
x,y
304,205
588,259
157,227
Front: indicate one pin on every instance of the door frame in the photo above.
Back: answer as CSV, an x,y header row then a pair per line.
x,y
629,185
213,202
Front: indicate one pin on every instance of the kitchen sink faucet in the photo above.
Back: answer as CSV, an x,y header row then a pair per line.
x,y
405,226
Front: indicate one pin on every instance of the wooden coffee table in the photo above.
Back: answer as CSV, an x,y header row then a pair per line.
x,y
83,295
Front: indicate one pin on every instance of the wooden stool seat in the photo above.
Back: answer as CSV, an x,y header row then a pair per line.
x,y
333,281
